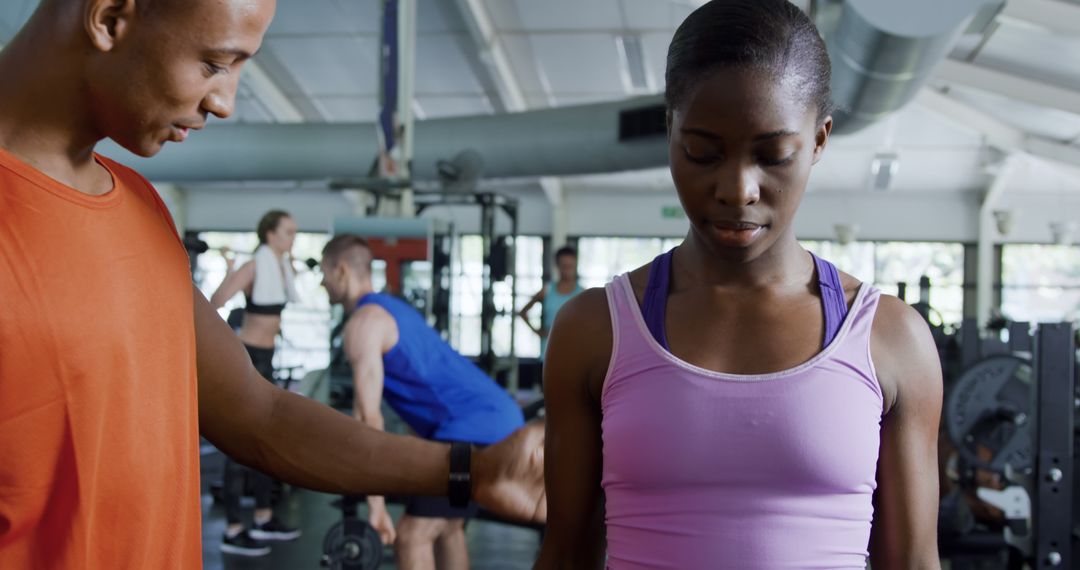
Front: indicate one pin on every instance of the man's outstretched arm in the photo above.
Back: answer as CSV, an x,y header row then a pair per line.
x,y
369,333
305,443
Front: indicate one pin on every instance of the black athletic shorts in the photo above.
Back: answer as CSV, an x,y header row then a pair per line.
x,y
263,359
438,508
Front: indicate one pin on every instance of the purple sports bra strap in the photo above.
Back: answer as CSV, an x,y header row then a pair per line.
x,y
833,301
654,307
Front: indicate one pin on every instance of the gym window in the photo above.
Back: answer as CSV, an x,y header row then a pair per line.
x,y
886,264
305,326
467,295
1040,283
600,259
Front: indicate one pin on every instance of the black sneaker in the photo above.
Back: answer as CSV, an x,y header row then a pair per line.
x,y
274,529
244,545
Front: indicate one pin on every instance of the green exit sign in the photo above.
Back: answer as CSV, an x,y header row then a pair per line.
x,y
671,212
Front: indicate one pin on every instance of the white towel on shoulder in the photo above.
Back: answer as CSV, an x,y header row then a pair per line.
x,y
273,279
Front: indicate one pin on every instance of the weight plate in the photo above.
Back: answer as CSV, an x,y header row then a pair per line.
x,y
988,414
352,544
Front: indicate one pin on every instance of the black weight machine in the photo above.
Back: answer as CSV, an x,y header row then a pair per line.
x,y
1011,419
499,261
1009,415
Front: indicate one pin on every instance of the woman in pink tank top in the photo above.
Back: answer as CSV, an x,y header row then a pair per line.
x,y
738,403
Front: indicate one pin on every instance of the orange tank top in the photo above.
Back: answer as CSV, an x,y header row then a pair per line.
x,y
99,461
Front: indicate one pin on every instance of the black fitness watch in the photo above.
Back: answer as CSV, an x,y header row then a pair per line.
x,y
460,490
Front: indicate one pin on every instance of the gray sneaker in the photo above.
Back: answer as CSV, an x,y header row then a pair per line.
x,y
274,529
244,545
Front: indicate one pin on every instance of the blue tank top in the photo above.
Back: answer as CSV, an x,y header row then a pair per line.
x,y
553,303
438,392
654,305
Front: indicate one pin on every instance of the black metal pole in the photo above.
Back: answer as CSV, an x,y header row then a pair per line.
x,y
511,209
487,304
1053,525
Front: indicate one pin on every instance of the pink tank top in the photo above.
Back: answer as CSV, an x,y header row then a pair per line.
x,y
710,470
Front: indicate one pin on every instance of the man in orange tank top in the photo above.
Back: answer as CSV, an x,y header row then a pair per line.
x,y
111,363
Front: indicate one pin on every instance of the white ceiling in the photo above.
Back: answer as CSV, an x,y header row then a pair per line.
x,y
320,55
1031,51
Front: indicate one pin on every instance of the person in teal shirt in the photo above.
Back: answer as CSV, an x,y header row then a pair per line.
x,y
554,295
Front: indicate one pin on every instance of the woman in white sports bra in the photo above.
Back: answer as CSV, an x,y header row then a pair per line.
x,y
267,282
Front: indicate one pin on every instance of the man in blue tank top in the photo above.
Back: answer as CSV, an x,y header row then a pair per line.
x,y
395,355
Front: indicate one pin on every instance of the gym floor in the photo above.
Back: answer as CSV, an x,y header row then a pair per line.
x,y
491,545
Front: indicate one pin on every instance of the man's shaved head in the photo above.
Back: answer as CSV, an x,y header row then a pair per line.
x,y
346,266
351,250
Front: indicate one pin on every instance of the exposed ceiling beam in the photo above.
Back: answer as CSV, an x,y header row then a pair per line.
x,y
1062,17
553,189
998,133
286,83
494,61
1053,150
1009,85
498,72
264,90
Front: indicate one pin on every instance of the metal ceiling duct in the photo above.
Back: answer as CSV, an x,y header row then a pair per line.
x,y
883,52
551,142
